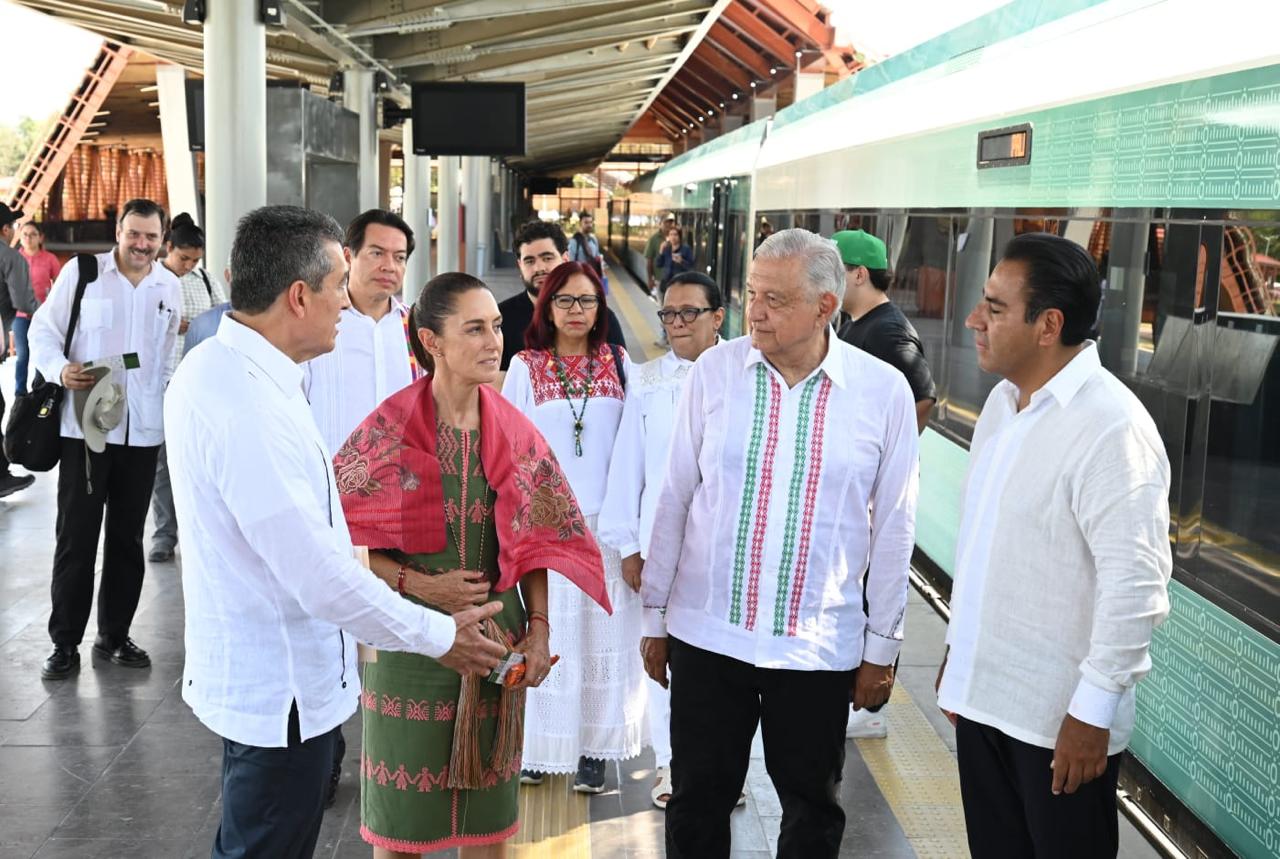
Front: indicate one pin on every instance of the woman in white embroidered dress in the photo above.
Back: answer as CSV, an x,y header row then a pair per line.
x,y
692,312
570,382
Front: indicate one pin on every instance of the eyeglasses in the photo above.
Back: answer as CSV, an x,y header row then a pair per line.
x,y
686,314
586,302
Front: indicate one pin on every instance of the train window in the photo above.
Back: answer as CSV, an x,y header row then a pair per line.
x,y
1238,541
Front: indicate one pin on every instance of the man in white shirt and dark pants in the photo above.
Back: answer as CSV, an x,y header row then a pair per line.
x,y
133,306
792,470
1062,566
274,597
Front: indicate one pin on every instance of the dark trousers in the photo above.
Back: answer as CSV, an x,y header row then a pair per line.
x,y
4,460
716,704
273,799
121,478
1009,806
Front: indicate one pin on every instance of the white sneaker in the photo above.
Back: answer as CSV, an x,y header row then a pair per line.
x,y
865,725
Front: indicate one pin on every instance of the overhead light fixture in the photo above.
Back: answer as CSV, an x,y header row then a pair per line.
x,y
193,12
722,104
773,71
753,84
336,83
799,54
699,119
710,112
735,96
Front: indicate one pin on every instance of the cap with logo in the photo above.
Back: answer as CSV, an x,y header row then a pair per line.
x,y
861,248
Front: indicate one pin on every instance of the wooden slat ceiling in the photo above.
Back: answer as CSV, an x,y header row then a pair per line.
x,y
593,69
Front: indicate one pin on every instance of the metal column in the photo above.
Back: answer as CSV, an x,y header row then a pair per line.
x,y
179,160
483,240
357,96
447,217
235,121
417,208
471,210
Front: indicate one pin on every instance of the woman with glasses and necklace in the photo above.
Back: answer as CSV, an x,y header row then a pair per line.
x,y
571,383
691,315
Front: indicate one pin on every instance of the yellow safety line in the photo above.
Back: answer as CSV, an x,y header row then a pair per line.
x,y
554,822
624,283
917,775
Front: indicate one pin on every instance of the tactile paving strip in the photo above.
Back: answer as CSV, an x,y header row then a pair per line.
x,y
917,775
554,822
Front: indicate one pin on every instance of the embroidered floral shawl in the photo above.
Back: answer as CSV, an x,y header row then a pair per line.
x,y
388,478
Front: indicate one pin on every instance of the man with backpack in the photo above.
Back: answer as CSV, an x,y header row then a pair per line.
x,y
131,308
585,247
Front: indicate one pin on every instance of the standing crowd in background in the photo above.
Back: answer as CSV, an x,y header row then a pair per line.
x,y
519,553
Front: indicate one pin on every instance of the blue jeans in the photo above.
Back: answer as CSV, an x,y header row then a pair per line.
x,y
19,328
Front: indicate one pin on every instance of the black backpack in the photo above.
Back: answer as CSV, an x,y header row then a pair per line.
x,y
33,438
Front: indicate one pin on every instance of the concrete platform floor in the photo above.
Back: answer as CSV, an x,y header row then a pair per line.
x,y
112,765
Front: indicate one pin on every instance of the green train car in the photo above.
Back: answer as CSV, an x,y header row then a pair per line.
x,y
1149,132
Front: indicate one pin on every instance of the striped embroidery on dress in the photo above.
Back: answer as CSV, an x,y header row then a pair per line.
x,y
810,501
793,503
748,491
763,495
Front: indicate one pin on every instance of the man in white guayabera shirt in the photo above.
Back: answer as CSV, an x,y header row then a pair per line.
x,y
792,469
1062,566
274,597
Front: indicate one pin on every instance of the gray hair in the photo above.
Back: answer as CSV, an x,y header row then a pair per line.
x,y
823,267
275,246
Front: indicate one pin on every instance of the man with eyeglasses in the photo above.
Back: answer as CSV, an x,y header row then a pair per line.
x,y
371,358
540,247
691,314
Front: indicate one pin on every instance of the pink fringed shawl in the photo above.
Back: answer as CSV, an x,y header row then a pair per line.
x,y
388,478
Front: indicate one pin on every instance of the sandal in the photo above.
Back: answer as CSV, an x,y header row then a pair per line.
x,y
661,793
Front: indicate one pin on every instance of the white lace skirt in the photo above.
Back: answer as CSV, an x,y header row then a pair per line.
x,y
593,702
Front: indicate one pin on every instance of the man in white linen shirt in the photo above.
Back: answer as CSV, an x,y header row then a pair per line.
x,y
372,359
792,469
1062,566
274,597
132,307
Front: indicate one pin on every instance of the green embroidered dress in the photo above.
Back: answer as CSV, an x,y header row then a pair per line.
x,y
410,701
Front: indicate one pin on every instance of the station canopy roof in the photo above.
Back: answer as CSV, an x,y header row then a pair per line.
x,y
595,71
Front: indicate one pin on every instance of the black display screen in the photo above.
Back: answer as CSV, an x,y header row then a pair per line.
x,y
468,119
1004,147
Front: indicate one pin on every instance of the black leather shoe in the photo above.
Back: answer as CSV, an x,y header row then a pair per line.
x,y
61,664
332,796
11,483
126,653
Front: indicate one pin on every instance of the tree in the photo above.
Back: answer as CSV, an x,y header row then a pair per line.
x,y
16,142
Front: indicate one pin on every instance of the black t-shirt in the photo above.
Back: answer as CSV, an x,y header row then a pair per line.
x,y
888,335
517,313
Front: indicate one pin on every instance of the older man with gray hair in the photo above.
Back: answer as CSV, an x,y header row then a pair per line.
x,y
792,471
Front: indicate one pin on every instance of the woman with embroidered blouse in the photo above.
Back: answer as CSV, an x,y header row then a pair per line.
x,y
570,382
460,498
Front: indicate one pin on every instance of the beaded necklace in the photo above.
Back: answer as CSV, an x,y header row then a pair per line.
x,y
578,414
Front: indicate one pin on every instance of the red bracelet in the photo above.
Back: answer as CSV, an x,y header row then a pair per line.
x,y
400,581
541,617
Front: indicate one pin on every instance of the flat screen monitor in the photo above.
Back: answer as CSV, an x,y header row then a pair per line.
x,y
468,118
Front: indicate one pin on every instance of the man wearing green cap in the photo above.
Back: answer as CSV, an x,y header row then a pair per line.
x,y
879,328
876,325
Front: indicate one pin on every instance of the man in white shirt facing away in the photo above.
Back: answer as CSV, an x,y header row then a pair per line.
x,y
1062,566
133,307
274,597
792,470
372,359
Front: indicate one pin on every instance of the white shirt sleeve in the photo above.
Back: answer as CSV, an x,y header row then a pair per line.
x,y
672,514
517,387
169,347
294,537
1122,507
48,331
893,516
619,523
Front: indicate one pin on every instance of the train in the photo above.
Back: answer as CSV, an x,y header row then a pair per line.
x,y
1149,132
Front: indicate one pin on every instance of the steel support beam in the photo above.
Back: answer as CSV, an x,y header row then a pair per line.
x,y
179,161
235,111
417,214
358,96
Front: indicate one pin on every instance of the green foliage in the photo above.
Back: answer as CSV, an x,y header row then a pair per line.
x,y
17,141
